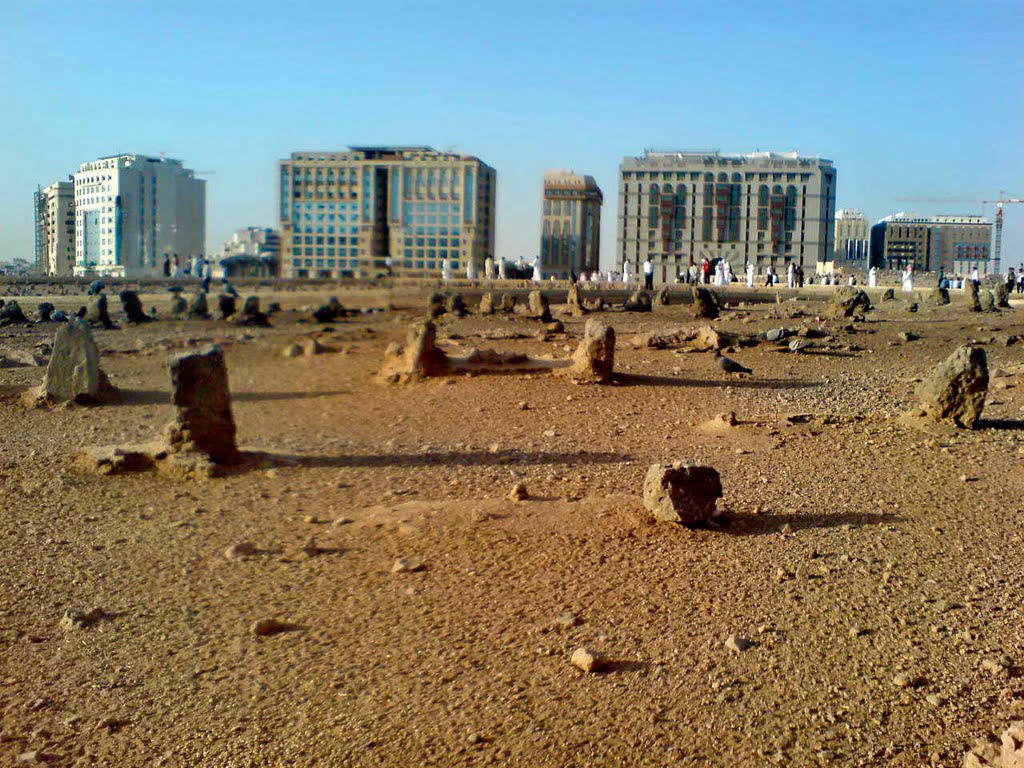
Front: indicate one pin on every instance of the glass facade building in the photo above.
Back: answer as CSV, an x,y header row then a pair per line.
x,y
355,213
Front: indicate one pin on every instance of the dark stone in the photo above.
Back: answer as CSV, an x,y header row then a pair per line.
x,y
198,308
199,382
705,303
96,311
456,305
1002,295
11,314
682,493
178,305
435,305
251,314
226,306
888,295
329,312
661,298
45,310
133,307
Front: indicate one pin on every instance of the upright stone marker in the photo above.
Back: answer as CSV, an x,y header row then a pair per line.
x,y
96,311
73,374
594,360
133,307
955,391
199,381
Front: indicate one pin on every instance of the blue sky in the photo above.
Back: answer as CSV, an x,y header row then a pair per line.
x,y
909,99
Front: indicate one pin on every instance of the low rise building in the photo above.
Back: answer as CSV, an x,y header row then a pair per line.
x,y
852,238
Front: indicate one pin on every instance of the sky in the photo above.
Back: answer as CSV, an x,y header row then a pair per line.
x,y
909,99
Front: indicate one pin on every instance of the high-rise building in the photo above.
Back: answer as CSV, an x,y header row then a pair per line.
x,y
55,229
852,236
355,213
769,209
132,212
570,240
954,244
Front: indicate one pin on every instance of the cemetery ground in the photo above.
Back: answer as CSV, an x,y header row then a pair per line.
x,y
869,577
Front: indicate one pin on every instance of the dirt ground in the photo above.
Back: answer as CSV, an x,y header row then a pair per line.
x,y
877,568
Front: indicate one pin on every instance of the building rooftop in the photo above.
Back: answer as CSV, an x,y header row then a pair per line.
x,y
714,157
914,218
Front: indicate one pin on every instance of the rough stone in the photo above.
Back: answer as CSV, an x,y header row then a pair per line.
x,y
268,627
73,374
587,659
538,307
705,303
940,297
573,302
198,307
200,393
329,312
435,305
777,334
404,565
988,301
594,359
178,305
11,313
132,306
418,359
518,492
507,303
456,305
252,314
971,294
661,298
955,390
240,550
738,644
849,302
96,311
486,304
226,306
1002,295
681,492
639,301
45,312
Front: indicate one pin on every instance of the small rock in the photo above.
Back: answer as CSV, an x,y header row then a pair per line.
x,y
403,565
935,699
904,680
567,620
343,521
267,627
240,550
518,492
76,618
586,659
311,519
738,644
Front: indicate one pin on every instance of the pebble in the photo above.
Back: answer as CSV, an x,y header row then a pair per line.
x,y
343,521
549,433
405,566
311,519
240,550
997,667
738,644
904,680
266,627
935,699
567,620
586,659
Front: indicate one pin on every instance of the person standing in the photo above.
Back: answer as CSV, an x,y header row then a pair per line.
x,y
799,276
908,279
537,273
872,277
727,272
750,274
167,266
446,271
976,278
501,270
791,275
648,275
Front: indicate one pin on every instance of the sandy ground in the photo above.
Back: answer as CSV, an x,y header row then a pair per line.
x,y
860,549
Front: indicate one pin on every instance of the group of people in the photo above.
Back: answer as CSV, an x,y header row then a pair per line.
x,y
175,267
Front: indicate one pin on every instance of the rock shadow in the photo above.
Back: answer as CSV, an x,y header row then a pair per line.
x,y
757,525
161,397
643,380
257,460
614,666
1012,425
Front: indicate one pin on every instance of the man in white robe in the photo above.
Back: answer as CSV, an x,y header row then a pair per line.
x,y
908,279
750,275
446,270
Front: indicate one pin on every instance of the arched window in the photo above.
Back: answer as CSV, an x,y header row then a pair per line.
x,y
762,195
667,189
723,177
737,178
654,190
709,177
777,189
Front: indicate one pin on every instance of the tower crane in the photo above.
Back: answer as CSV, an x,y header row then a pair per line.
x,y
997,245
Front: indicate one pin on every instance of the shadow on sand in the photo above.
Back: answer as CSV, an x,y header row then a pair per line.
x,y
642,380
161,397
757,525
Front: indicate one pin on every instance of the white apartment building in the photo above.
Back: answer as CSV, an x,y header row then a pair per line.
x,y
132,212
55,229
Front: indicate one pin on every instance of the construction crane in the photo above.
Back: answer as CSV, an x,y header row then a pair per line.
x,y
997,245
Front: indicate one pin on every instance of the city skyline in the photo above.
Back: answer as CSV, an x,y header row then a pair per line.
x,y
922,106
